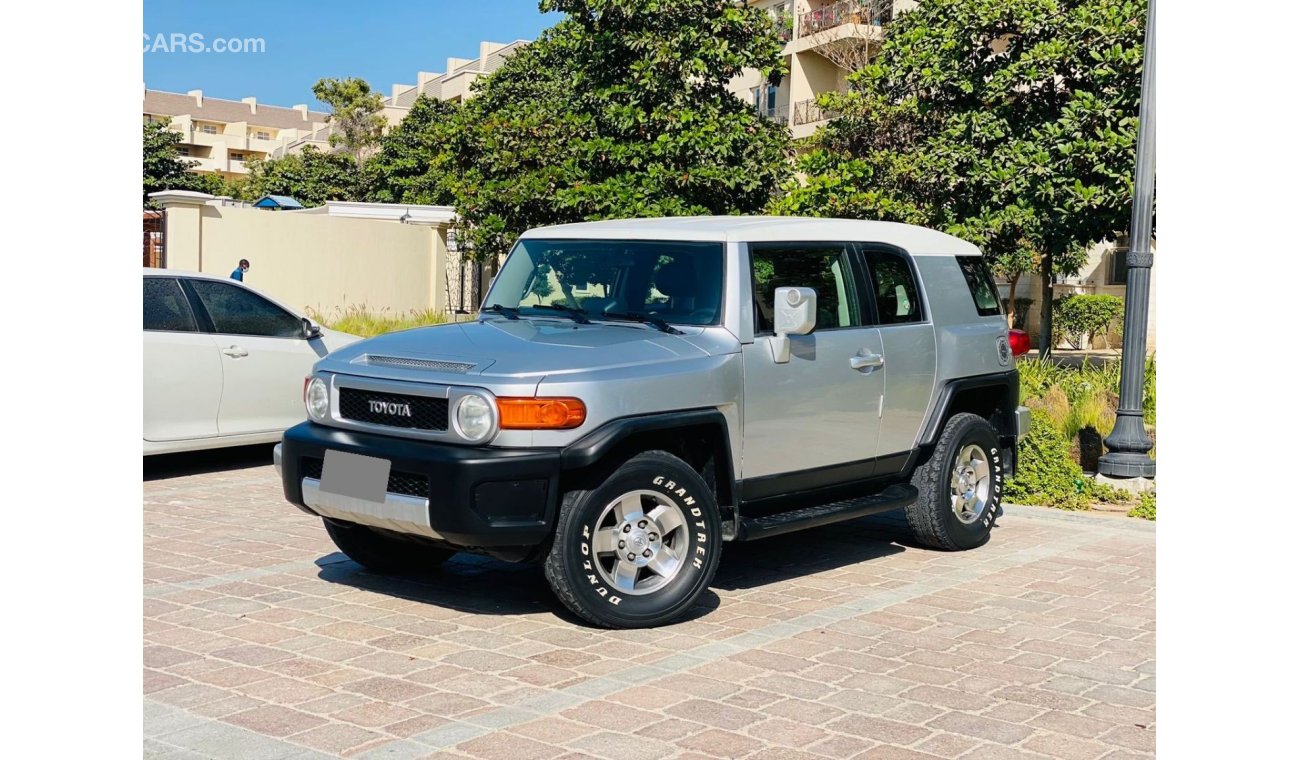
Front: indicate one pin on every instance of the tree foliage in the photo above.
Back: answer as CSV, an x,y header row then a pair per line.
x,y
619,110
312,177
165,168
413,164
355,111
1009,124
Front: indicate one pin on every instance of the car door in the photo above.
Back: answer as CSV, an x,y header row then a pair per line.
x,y
814,420
909,341
265,356
182,368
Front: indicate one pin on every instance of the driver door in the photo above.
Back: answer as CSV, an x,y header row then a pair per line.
x,y
815,420
265,356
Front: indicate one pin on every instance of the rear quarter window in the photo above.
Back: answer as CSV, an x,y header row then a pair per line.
x,y
979,278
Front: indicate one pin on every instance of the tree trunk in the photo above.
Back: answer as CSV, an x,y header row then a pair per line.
x,y
1011,300
1045,307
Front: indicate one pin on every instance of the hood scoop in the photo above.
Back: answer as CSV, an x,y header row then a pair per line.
x,y
403,362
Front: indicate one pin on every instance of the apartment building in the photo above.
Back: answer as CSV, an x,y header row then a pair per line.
x,y
825,42
452,84
224,135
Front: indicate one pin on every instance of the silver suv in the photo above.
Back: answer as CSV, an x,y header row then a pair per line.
x,y
634,394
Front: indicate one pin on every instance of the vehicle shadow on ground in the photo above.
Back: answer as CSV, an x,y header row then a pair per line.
x,y
473,584
481,585
164,466
755,564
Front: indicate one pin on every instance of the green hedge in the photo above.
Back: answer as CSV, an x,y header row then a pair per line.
x,y
1077,318
1046,474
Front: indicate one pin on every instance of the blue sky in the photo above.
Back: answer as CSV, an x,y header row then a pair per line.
x,y
381,41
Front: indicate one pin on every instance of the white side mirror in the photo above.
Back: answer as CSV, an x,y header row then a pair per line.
x,y
796,314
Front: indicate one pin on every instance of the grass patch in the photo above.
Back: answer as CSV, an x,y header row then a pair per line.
x,y
359,320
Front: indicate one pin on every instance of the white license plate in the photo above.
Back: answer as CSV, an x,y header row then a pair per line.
x,y
354,475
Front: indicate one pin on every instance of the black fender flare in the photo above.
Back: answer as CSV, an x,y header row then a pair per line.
x,y
592,447
1008,381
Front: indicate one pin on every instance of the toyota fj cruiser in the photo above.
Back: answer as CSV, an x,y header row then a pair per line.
x,y
634,394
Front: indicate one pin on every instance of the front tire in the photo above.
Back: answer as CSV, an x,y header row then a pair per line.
x,y
382,552
639,548
959,487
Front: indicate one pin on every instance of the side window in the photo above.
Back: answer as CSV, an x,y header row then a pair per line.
x,y
897,299
165,306
824,267
979,278
237,311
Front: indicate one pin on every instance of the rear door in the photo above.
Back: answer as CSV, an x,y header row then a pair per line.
x,y
820,411
182,369
264,354
909,341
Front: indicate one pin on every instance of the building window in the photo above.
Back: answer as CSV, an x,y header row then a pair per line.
x,y
764,97
183,150
209,129
237,157
262,135
1117,272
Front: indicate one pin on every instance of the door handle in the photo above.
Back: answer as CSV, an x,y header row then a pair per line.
x,y
866,360
235,351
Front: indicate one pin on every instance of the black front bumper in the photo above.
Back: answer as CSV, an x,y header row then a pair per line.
x,y
478,497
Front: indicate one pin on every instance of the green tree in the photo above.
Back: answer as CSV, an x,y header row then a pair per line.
x,y
620,110
166,169
355,111
312,177
413,164
1009,124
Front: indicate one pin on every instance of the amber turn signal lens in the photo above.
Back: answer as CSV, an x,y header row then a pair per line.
x,y
541,413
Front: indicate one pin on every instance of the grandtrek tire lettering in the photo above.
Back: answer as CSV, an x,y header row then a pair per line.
x,y
620,556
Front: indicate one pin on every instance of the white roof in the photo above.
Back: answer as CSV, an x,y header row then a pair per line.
x,y
919,241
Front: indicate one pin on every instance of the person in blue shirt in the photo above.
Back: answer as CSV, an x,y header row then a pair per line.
x,y
238,274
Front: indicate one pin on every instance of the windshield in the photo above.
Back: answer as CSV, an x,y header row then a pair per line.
x,y
672,281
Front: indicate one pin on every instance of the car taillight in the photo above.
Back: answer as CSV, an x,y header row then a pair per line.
x,y
1019,340
541,413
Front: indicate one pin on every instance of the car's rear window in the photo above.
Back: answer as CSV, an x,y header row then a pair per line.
x,y
979,278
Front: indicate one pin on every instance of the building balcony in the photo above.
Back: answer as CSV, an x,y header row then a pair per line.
x,y
779,114
863,12
808,112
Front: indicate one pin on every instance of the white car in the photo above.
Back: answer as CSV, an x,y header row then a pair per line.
x,y
223,364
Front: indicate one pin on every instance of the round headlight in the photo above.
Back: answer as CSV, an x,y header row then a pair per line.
x,y
474,417
318,399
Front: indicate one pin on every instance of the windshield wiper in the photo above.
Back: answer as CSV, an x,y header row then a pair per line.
x,y
648,319
578,315
505,311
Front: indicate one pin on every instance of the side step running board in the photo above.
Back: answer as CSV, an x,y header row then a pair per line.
x,y
894,497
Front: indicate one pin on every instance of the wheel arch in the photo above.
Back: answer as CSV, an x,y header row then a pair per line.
x,y
993,397
697,436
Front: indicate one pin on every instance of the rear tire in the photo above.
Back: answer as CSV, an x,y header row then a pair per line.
x,y
384,553
959,487
639,548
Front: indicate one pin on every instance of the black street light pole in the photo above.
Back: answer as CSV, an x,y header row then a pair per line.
x,y
1128,443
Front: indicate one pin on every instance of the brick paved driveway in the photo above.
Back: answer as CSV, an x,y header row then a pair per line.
x,y
261,641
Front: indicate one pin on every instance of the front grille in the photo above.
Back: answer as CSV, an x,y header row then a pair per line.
x,y
405,483
429,364
425,413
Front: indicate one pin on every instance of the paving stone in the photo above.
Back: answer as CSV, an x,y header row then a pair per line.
x,y
262,641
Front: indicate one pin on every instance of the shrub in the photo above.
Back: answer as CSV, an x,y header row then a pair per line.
x,y
1046,474
358,320
1076,318
1146,506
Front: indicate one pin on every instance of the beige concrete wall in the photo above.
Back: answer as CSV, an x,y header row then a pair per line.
x,y
314,261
